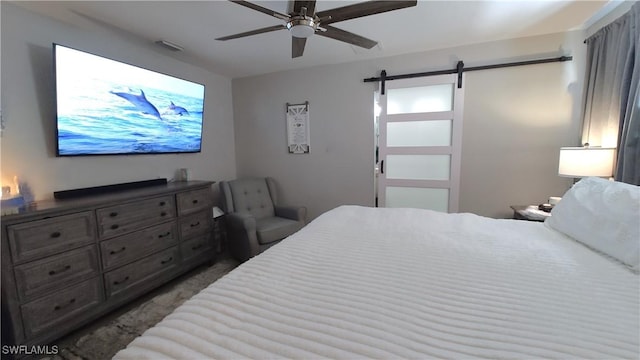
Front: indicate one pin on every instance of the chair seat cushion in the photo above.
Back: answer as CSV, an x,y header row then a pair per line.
x,y
272,229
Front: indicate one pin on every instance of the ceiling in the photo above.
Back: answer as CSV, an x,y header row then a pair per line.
x,y
430,25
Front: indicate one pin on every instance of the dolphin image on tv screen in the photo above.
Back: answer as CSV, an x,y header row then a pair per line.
x,y
140,102
175,110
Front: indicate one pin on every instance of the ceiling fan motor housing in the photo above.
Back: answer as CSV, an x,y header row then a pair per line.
x,y
302,26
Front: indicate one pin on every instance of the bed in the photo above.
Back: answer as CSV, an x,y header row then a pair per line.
x,y
362,282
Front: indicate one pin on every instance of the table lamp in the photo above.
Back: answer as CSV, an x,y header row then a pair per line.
x,y
579,162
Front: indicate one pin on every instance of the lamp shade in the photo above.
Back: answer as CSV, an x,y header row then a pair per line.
x,y
586,161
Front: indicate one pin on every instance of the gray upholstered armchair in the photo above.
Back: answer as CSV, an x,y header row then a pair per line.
x,y
255,221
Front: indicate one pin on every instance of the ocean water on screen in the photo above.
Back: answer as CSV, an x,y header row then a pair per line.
x,y
94,120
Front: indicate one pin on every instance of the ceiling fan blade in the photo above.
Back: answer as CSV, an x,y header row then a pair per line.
x,y
310,5
261,9
297,46
362,9
348,37
253,32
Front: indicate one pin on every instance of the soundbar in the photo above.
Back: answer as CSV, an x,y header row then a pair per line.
x,y
104,189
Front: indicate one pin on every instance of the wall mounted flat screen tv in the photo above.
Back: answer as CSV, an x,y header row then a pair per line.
x,y
106,107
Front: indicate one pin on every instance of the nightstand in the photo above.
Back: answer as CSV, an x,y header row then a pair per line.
x,y
220,233
529,213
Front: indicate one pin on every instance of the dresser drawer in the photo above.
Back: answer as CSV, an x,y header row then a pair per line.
x,y
54,272
62,307
194,200
40,238
124,249
121,219
196,246
128,276
193,225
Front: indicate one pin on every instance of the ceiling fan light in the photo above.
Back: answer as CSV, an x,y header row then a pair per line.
x,y
301,31
302,27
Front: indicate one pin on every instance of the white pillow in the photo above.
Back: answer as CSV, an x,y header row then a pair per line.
x,y
604,215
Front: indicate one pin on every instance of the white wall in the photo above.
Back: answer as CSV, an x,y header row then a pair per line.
x,y
515,121
28,140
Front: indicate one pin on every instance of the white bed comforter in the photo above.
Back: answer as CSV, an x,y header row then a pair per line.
x,y
403,283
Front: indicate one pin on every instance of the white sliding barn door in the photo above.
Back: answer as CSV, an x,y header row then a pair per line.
x,y
420,133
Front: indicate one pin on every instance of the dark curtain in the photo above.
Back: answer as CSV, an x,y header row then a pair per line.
x,y
611,102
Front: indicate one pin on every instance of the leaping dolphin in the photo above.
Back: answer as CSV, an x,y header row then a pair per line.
x,y
175,110
140,102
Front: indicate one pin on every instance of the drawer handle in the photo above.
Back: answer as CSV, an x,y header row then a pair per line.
x,y
196,224
114,226
61,270
163,214
164,235
118,282
113,214
113,252
166,261
56,234
195,201
197,247
162,203
60,307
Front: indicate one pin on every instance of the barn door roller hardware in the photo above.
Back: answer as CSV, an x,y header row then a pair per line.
x,y
459,70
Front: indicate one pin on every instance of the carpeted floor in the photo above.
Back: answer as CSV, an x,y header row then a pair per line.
x,y
106,336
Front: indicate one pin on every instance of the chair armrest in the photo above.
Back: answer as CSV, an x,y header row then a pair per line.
x,y
297,213
244,221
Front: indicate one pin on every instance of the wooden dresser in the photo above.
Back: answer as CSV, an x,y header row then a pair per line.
x,y
68,262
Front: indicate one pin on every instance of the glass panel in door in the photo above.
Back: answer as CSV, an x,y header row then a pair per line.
x,y
421,198
419,133
430,98
418,167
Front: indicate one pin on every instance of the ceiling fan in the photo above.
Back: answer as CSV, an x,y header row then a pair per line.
x,y
304,21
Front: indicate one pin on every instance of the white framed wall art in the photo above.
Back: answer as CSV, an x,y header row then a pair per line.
x,y
298,128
